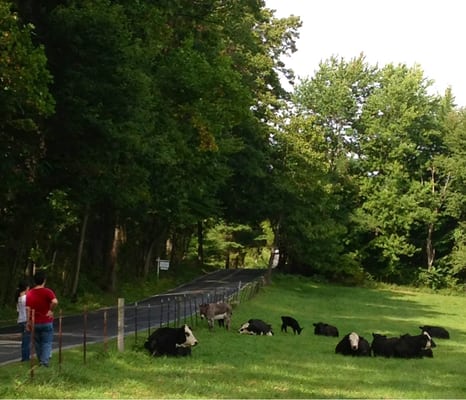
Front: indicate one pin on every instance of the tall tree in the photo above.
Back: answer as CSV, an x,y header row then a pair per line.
x,y
98,138
398,184
25,102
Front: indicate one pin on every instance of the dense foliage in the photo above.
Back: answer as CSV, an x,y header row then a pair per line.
x,y
136,130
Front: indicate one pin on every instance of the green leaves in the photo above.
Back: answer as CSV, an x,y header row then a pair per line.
x,y
386,139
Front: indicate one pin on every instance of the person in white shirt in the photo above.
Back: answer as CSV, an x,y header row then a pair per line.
x,y
21,291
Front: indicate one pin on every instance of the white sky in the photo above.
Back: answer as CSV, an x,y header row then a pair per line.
x,y
430,33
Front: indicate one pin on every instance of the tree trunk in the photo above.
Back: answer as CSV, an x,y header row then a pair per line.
x,y
200,244
80,254
429,248
113,257
275,246
149,259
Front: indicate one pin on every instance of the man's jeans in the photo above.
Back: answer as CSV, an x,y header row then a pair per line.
x,y
43,338
25,342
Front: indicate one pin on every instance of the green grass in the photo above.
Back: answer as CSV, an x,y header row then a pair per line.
x,y
230,365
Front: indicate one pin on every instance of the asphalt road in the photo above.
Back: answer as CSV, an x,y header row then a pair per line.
x,y
169,308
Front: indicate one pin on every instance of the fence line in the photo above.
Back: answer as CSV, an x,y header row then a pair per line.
x,y
169,309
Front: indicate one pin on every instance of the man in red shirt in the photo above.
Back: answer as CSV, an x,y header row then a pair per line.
x,y
42,301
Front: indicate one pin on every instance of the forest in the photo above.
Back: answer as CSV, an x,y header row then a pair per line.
x,y
132,130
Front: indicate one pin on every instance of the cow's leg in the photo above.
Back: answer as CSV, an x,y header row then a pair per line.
x,y
227,322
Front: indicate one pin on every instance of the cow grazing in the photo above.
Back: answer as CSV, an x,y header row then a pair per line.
x,y
435,331
171,341
353,345
324,329
290,321
216,311
383,346
417,346
256,327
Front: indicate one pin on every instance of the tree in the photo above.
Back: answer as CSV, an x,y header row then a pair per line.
x,y
99,136
402,136
25,102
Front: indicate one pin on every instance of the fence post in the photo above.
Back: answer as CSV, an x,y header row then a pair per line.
x,y
84,334
60,317
121,324
32,347
135,322
105,330
148,320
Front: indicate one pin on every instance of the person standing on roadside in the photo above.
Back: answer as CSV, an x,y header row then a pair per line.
x,y
42,301
21,291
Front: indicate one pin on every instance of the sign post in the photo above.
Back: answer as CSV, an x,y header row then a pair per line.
x,y
162,265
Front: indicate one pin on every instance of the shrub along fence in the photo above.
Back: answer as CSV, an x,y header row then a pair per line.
x,y
140,318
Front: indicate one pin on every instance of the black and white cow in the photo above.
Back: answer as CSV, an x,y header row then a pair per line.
x,y
256,327
171,341
290,321
353,345
324,329
435,331
416,346
216,311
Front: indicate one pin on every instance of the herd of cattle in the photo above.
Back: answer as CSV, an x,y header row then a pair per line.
x,y
179,341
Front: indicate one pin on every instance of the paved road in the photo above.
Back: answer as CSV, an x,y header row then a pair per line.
x,y
171,307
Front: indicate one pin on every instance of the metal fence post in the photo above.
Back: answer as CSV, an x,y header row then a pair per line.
x,y
121,324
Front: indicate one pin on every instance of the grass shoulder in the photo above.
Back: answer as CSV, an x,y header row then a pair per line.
x,y
280,366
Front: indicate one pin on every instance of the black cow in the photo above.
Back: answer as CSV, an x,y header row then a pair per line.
x,y
324,329
171,341
290,321
383,346
427,353
183,351
353,345
435,331
416,346
256,327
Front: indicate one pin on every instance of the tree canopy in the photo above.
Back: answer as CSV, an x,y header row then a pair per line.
x,y
136,130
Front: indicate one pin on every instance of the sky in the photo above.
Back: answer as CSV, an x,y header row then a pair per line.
x,y
430,33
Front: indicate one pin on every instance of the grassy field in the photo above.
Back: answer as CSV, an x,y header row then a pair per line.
x,y
230,365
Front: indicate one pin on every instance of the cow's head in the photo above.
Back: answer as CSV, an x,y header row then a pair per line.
x,y
354,340
429,343
245,329
190,339
203,310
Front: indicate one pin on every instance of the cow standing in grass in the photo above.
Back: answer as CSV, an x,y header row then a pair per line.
x,y
290,321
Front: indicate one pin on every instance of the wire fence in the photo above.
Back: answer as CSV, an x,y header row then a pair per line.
x,y
141,318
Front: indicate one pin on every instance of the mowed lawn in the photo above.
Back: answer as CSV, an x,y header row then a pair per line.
x,y
230,365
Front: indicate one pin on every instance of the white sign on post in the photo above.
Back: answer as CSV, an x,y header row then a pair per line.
x,y
162,265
